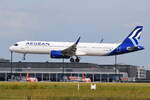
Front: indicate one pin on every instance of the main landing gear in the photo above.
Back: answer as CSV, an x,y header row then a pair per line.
x,y
77,59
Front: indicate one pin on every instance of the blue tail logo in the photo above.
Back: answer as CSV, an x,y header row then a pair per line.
x,y
134,37
131,43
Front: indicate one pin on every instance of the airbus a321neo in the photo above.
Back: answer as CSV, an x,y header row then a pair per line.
x,y
72,51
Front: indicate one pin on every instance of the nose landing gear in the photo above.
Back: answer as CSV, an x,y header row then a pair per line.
x,y
24,56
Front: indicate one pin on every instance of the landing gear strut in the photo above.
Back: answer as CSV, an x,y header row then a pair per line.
x,y
77,59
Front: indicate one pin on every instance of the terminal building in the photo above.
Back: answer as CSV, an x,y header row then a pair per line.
x,y
54,72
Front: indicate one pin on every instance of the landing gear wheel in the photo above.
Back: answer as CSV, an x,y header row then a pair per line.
x,y
71,60
77,59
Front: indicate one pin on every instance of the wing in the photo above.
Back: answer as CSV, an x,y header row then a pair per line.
x,y
71,51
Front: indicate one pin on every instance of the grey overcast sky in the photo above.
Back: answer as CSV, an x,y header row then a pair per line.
x,y
65,20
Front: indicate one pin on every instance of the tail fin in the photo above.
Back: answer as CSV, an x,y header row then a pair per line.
x,y
134,37
130,44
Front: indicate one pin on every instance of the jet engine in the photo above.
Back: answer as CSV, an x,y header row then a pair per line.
x,y
58,54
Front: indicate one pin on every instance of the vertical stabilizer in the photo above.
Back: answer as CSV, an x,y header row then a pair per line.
x,y
133,38
131,43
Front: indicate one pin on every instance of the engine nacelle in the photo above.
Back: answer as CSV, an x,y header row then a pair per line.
x,y
57,54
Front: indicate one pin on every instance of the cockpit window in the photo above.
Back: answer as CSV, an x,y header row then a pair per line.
x,y
15,44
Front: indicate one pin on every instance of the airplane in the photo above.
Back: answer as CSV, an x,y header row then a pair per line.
x,y
72,51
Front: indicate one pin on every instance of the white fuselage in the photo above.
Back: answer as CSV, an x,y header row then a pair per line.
x,y
44,47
